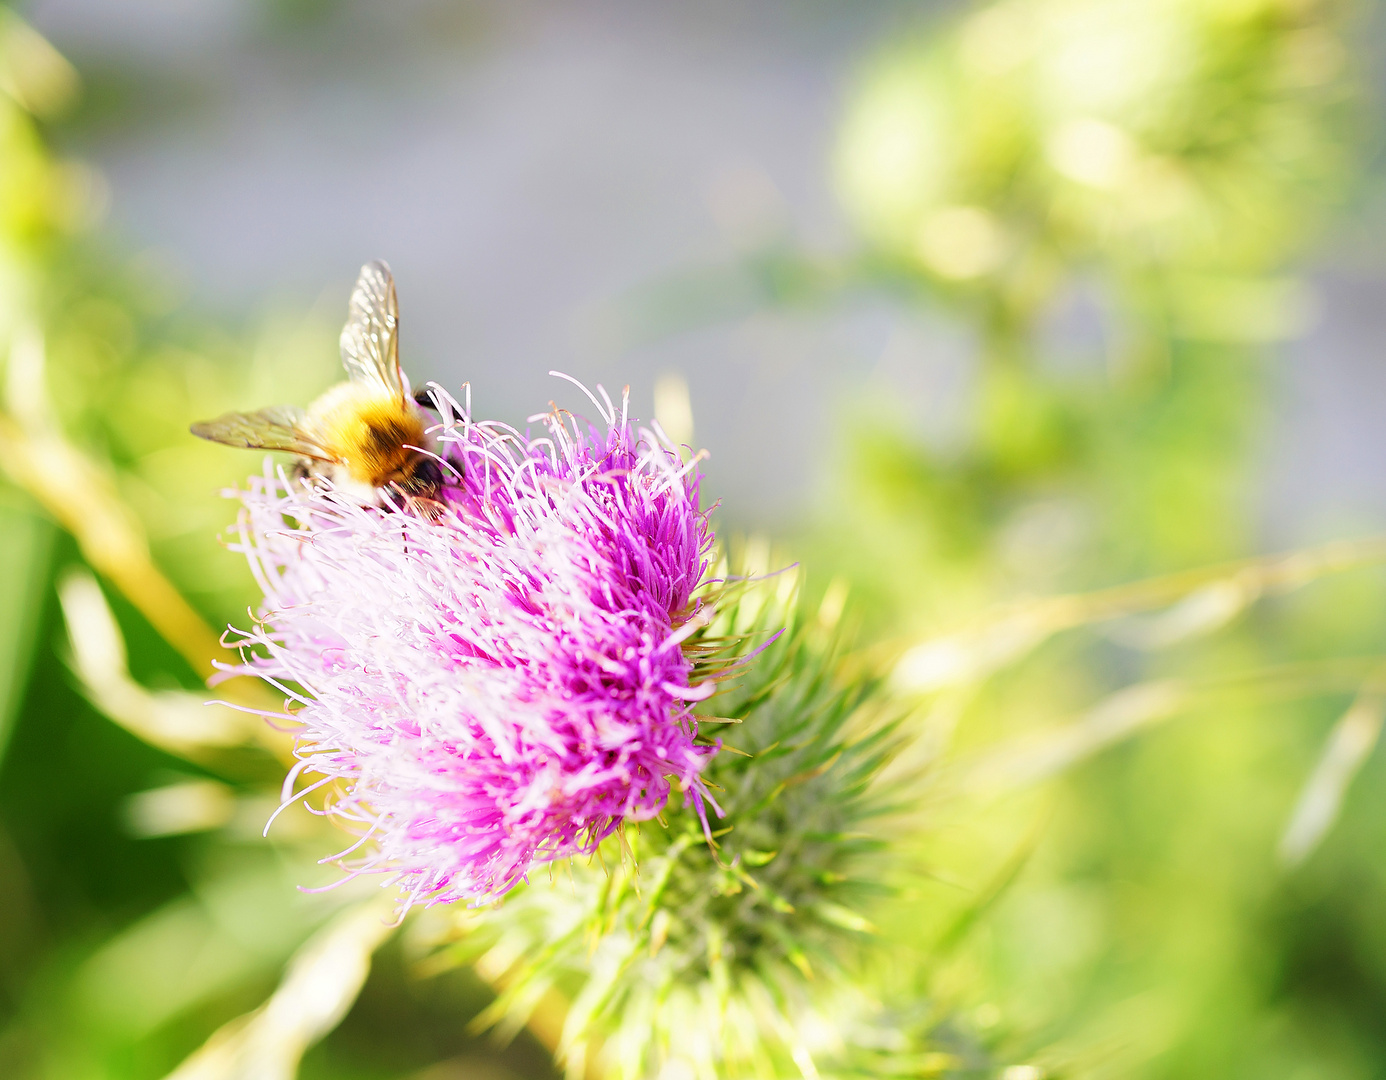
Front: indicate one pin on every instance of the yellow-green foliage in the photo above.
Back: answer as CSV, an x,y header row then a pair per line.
x,y
1180,135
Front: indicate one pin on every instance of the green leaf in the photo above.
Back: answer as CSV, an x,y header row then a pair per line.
x,y
26,542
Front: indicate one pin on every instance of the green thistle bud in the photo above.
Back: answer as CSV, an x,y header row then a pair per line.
x,y
680,957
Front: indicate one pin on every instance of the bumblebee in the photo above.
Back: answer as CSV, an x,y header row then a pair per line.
x,y
365,435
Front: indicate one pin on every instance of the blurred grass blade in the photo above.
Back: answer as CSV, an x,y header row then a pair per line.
x,y
175,809
1347,747
1031,758
1037,757
992,891
173,720
1200,601
1203,611
25,541
318,989
81,495
973,655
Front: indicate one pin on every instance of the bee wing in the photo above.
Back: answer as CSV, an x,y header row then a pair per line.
x,y
280,427
370,339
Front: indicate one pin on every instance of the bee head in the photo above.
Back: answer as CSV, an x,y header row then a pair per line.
x,y
424,478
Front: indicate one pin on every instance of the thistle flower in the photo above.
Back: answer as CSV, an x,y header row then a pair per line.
x,y
505,684
746,959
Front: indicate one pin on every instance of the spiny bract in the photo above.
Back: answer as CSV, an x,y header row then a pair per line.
x,y
667,957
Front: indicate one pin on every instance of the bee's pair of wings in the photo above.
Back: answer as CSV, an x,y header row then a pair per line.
x,y
370,354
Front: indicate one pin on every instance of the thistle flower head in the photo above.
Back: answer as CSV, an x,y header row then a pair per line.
x,y
507,683
743,960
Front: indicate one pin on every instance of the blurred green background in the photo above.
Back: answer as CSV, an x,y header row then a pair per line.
x,y
974,307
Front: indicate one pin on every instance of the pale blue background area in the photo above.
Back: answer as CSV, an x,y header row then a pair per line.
x,y
529,168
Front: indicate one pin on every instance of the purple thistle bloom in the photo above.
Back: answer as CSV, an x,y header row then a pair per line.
x,y
505,685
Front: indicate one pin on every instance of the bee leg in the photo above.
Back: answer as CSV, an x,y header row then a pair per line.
x,y
421,497
425,399
431,510
427,478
